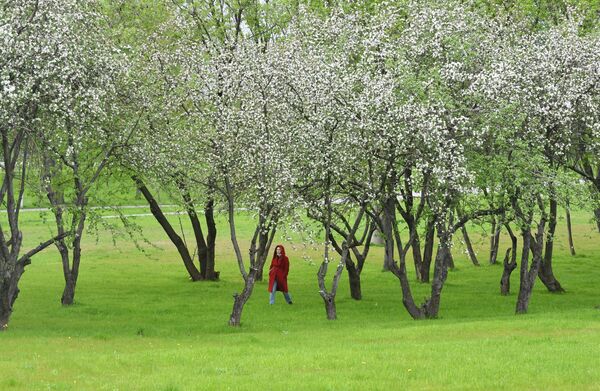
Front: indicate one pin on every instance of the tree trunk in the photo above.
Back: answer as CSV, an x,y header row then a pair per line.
x,y
495,241
188,262
239,300
407,297
4,316
528,276
597,216
525,287
469,246
389,211
68,295
400,272
206,248
329,301
428,250
72,272
416,251
354,279
9,291
209,271
508,269
449,259
69,290
71,277
264,234
440,273
569,229
6,302
329,297
509,266
546,274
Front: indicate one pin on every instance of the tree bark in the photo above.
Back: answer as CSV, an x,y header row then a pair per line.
x,y
525,287
239,300
546,273
449,259
432,306
188,262
569,229
56,198
469,246
209,273
349,241
400,272
428,250
597,216
329,297
205,248
416,251
68,295
267,222
388,219
354,269
265,240
8,294
354,279
330,307
529,274
72,270
509,266
495,240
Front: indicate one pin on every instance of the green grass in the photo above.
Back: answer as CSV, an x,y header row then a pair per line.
x,y
139,324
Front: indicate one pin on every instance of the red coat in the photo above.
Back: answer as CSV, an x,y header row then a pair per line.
x,y
279,271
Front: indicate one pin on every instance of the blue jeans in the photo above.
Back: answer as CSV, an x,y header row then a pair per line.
x,y
272,295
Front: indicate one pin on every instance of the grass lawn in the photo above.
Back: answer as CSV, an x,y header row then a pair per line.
x,y
139,324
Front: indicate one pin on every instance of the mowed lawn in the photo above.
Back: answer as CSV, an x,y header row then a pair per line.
x,y
140,324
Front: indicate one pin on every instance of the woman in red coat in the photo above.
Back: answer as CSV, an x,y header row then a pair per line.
x,y
280,265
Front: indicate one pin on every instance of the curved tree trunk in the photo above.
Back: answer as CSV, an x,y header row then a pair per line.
x,y
239,300
469,246
546,273
400,272
509,266
188,262
68,294
597,216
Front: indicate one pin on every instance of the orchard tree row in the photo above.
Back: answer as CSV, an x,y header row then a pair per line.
x,y
409,120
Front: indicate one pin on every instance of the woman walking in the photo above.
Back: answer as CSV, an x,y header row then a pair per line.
x,y
280,265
